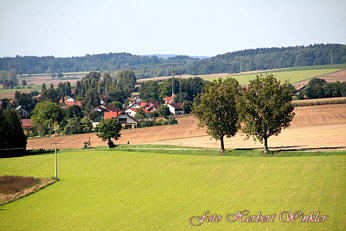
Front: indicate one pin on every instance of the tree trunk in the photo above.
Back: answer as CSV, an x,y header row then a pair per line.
x,y
222,145
265,151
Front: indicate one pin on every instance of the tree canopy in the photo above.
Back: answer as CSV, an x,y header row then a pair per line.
x,y
46,116
216,108
12,137
265,108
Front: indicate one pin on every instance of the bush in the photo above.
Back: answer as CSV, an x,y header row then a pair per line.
x,y
73,127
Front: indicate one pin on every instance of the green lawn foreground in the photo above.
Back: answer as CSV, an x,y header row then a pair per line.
x,y
118,190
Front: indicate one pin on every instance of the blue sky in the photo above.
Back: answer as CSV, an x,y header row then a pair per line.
x,y
190,27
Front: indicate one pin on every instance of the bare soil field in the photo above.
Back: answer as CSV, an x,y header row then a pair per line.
x,y
10,95
332,77
315,127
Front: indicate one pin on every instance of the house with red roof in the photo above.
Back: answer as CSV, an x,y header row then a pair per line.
x,y
27,126
26,123
110,111
123,118
135,99
148,106
70,102
133,111
169,100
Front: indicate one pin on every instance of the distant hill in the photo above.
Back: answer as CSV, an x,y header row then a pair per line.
x,y
166,56
270,58
162,64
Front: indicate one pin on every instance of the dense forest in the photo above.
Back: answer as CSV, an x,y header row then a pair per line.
x,y
152,66
270,58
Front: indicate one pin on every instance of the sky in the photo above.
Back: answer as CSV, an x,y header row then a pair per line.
x,y
65,28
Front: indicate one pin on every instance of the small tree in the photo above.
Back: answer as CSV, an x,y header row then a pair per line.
x,y
265,107
215,108
86,124
108,129
187,107
73,126
140,114
163,110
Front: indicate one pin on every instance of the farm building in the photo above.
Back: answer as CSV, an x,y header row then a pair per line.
x,y
176,108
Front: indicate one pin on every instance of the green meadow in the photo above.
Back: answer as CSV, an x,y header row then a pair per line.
x,y
290,76
128,190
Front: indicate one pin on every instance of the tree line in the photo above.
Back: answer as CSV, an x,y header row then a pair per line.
x,y
152,66
9,78
320,88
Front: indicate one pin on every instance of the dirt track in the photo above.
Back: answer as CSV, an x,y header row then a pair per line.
x,y
313,127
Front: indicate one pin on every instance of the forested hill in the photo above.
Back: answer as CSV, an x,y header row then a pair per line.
x,y
151,66
270,58
144,66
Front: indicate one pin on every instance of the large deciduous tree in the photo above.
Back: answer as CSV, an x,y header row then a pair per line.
x,y
216,109
47,115
265,108
108,129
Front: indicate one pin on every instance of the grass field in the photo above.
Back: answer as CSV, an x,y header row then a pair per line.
x,y
33,88
118,190
291,76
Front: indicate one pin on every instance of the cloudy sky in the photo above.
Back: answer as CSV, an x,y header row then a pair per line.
x,y
190,27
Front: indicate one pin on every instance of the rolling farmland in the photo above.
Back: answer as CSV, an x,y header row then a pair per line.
x,y
308,130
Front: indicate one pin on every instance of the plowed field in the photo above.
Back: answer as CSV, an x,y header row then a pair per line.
x,y
315,127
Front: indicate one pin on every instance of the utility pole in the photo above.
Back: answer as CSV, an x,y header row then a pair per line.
x,y
180,88
56,162
173,81
331,57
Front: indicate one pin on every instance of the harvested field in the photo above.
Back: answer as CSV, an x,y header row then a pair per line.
x,y
320,137
10,94
313,128
39,80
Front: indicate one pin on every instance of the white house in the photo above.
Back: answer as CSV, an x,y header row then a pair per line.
x,y
133,111
176,108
